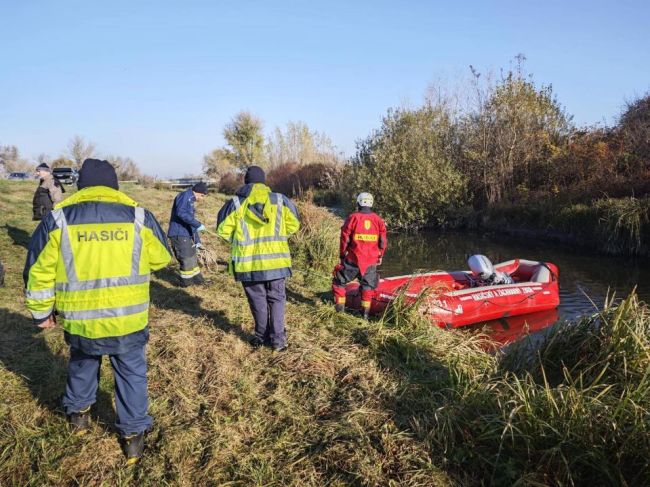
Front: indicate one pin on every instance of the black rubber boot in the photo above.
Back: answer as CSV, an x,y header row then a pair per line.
x,y
80,421
340,308
255,342
133,447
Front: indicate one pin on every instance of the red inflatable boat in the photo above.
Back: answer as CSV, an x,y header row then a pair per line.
x,y
453,299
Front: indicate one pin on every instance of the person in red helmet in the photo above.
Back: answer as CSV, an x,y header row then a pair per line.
x,y
363,243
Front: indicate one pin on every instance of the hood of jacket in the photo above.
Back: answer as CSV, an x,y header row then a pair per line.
x,y
257,202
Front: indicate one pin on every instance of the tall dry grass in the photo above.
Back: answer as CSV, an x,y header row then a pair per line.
x,y
315,248
575,413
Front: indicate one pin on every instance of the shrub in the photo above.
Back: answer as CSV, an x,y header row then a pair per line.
x,y
634,128
315,249
147,181
292,179
408,166
284,179
230,182
623,225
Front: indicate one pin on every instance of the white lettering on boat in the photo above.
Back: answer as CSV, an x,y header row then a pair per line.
x,y
482,295
508,292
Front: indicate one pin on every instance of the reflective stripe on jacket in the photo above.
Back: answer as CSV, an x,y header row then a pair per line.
x,y
258,224
182,222
90,259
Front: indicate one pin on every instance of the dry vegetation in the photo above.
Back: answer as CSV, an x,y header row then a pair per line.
x,y
389,402
319,414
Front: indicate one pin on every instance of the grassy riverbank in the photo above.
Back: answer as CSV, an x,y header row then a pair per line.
x,y
617,226
389,402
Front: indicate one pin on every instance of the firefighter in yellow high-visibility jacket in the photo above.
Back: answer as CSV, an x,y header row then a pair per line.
x,y
89,262
258,223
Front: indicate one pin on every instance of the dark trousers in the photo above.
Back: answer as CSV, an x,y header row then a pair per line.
x,y
348,272
130,373
185,253
267,301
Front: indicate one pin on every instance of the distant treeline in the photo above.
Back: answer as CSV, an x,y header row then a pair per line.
x,y
503,155
509,143
77,151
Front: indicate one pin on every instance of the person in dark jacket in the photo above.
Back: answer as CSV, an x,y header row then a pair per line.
x,y
184,231
362,246
48,193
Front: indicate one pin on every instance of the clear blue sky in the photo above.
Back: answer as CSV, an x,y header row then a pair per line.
x,y
158,80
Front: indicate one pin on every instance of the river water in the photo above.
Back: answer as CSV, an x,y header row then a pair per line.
x,y
586,278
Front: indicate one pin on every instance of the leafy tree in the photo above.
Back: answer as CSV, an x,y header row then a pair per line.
x,y
245,147
218,163
510,137
245,140
408,165
80,150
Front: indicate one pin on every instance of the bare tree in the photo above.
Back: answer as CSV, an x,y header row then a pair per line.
x,y
44,159
125,167
298,144
11,160
80,150
634,128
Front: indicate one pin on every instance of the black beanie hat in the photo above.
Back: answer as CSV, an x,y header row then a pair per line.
x,y
254,174
43,167
200,188
97,173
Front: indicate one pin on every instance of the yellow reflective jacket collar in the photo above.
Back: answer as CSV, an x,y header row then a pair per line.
x,y
97,193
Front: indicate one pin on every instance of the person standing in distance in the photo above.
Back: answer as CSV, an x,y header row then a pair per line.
x,y
184,231
48,193
362,246
258,223
89,261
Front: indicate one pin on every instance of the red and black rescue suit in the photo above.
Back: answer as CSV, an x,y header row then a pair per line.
x,y
363,243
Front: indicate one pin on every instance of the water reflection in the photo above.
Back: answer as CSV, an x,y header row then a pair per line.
x,y
508,330
585,278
